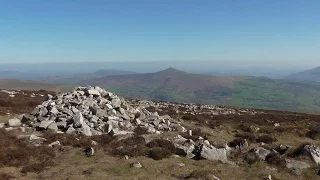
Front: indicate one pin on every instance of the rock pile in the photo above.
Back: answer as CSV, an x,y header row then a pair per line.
x,y
93,111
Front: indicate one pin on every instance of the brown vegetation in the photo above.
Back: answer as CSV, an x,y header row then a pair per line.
x,y
17,152
21,103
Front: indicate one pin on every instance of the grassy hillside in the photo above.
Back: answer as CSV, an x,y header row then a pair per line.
x,y
15,84
251,92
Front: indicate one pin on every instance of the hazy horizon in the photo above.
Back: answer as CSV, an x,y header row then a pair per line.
x,y
72,68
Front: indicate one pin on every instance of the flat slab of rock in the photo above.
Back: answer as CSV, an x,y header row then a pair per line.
x,y
214,153
45,124
294,164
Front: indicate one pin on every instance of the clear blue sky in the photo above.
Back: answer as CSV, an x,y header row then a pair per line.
x,y
278,32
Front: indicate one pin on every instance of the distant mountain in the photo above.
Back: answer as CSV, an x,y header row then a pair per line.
x,y
167,79
309,75
78,78
240,91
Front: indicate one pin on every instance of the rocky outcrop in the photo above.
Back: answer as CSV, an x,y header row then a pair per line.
x,y
312,151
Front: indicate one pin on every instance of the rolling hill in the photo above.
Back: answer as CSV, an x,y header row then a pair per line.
x,y
309,75
239,91
15,84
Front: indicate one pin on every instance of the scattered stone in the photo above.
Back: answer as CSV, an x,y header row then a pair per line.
x,y
126,157
294,164
14,122
180,165
262,153
213,153
94,143
136,165
215,177
276,124
54,144
2,125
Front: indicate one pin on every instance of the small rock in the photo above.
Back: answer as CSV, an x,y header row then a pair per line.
x,y
54,144
262,153
94,143
276,124
2,125
126,157
93,92
136,165
43,111
14,122
180,165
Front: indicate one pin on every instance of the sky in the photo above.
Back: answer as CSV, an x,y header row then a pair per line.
x,y
273,33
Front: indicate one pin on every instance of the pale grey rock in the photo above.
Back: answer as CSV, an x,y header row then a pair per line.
x,y
53,126
136,165
262,153
54,110
77,119
109,106
295,164
43,111
93,92
14,122
36,111
54,144
2,125
213,153
116,103
70,130
85,129
44,124
101,113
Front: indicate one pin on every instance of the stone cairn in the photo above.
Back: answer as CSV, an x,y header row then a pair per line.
x,y
93,111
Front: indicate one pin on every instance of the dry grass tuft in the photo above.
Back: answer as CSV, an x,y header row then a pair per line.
x,y
5,176
266,139
158,153
16,152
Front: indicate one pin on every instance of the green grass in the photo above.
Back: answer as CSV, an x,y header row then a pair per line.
x,y
261,93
